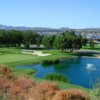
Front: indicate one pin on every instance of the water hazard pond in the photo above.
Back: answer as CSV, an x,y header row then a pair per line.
x,y
80,70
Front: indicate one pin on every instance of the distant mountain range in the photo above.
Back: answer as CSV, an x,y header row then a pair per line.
x,y
43,29
25,28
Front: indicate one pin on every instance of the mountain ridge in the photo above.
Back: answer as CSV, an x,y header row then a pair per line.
x,y
5,27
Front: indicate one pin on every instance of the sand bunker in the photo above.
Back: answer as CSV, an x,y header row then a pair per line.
x,y
38,53
98,56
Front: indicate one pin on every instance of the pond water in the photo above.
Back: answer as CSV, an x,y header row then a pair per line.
x,y
80,70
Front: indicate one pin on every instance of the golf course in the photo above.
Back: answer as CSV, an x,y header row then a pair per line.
x,y
63,62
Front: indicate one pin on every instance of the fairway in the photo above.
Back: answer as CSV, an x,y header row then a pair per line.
x,y
10,55
8,58
14,57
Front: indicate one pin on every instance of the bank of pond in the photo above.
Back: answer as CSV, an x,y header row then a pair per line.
x,y
82,71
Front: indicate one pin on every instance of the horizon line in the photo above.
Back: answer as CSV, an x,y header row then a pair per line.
x,y
49,27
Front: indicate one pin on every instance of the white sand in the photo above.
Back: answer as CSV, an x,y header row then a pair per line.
x,y
98,56
38,53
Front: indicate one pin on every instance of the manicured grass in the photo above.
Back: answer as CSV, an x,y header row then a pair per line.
x,y
62,85
14,57
27,72
8,58
96,47
10,50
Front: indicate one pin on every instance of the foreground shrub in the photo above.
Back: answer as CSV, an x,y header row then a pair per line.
x,y
4,69
72,94
21,86
50,61
4,85
45,91
6,72
56,77
24,83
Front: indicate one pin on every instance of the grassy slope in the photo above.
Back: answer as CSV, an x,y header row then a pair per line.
x,y
62,85
14,57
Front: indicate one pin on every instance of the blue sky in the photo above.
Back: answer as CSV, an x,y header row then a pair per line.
x,y
50,13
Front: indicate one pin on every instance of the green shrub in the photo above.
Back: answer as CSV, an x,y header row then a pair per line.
x,y
56,77
50,61
95,92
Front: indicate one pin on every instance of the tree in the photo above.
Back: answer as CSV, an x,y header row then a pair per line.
x,y
30,37
77,43
5,38
1,37
84,41
16,37
60,42
27,38
39,40
91,43
48,41
68,40
11,38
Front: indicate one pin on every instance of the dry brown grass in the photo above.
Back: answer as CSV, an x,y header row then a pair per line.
x,y
71,94
4,69
6,72
45,91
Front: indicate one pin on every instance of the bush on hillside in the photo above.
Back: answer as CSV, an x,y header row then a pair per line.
x,y
72,94
50,61
4,69
46,91
6,72
56,77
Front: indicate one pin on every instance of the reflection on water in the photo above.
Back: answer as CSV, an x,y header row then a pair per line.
x,y
73,68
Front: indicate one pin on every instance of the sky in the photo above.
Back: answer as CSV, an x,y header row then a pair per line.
x,y
50,13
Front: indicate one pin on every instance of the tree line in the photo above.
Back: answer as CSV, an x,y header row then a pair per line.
x,y
66,40
14,38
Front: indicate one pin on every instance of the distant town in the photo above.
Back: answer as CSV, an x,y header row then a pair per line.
x,y
89,33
